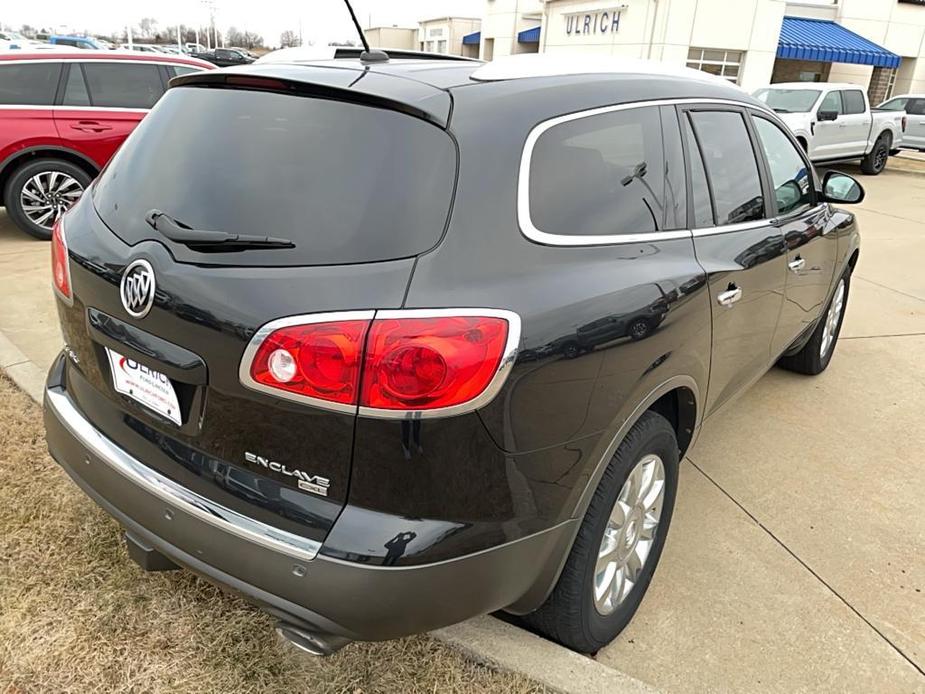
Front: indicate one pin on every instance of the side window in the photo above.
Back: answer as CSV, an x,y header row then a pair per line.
x,y
793,188
700,189
916,107
854,102
123,85
29,84
75,90
731,166
178,70
895,104
831,102
675,187
600,175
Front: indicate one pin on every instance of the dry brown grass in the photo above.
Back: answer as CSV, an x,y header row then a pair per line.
x,y
76,615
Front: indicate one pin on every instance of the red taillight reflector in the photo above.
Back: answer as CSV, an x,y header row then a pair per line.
x,y
60,270
316,360
430,363
402,363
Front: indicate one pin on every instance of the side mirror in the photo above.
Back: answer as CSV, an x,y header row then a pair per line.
x,y
841,188
827,115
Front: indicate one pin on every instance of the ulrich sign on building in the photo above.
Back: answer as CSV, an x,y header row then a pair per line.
x,y
597,22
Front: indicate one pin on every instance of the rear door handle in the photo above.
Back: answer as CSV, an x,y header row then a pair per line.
x,y
90,126
730,296
797,264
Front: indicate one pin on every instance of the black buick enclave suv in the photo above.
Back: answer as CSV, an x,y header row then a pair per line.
x,y
385,345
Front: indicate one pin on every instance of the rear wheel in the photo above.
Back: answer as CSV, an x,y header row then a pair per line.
x,y
41,191
618,544
817,353
875,161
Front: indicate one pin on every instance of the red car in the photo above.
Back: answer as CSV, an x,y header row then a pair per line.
x,y
63,115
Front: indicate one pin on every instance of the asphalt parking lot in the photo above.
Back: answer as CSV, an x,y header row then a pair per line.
x,y
796,558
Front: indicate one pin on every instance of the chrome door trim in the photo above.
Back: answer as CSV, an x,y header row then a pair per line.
x,y
170,492
529,229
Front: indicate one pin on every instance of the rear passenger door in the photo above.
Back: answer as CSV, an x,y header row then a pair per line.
x,y
854,125
812,252
103,102
741,250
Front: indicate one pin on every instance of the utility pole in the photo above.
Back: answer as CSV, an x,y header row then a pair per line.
x,y
179,40
128,31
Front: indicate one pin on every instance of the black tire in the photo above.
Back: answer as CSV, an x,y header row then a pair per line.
x,y
810,360
876,160
639,329
569,615
14,186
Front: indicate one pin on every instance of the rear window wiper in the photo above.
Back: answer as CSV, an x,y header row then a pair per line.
x,y
208,240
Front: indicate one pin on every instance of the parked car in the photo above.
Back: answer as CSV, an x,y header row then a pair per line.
x,y
914,107
14,41
86,42
226,57
834,122
61,118
334,296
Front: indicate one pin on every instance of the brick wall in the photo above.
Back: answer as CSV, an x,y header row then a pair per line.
x,y
790,70
879,83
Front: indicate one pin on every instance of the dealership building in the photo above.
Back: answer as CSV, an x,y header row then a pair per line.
x,y
879,44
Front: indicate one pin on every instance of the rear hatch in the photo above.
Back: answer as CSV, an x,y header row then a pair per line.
x,y
356,190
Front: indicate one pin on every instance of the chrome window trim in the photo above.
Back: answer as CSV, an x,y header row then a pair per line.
x,y
170,492
729,228
508,357
530,231
65,107
244,372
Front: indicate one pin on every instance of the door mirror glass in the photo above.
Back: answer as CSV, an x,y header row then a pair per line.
x,y
841,188
827,115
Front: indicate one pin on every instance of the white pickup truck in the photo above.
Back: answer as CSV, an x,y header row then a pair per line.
x,y
834,122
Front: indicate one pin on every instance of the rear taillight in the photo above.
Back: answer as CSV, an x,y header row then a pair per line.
x,y
60,269
392,364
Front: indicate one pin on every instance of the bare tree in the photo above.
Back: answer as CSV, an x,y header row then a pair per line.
x,y
289,39
148,26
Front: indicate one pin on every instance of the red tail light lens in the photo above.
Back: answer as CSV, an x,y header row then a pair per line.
x,y
60,269
316,360
414,361
431,362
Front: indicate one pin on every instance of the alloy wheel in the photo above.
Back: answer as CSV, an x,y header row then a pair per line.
x,y
832,318
47,195
630,534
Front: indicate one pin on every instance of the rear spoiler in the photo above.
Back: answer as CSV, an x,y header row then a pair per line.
x,y
337,82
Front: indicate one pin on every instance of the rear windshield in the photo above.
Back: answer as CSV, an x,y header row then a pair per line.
x,y
344,182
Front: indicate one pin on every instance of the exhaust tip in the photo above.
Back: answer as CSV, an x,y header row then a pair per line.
x,y
311,642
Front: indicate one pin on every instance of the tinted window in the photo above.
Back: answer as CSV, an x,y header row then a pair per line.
x,y
75,91
345,182
854,101
29,84
894,104
731,166
789,174
123,85
600,175
831,102
177,70
700,190
916,107
675,185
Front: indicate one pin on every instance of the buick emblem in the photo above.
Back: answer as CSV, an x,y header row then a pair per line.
x,y
137,288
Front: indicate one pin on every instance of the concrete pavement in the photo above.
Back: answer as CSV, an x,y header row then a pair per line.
x,y
796,559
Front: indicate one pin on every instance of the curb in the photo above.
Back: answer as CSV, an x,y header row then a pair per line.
x,y
485,640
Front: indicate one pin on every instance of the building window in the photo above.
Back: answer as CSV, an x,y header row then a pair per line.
x,y
725,64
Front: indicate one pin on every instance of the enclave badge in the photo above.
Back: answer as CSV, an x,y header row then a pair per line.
x,y
137,288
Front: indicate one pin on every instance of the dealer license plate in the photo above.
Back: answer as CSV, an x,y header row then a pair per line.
x,y
144,385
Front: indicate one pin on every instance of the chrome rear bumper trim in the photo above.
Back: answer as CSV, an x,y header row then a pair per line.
x,y
170,492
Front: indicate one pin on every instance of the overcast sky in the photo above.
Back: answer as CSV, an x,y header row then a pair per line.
x,y
322,20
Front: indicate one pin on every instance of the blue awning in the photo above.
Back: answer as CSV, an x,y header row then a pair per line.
x,y
821,39
472,39
529,35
